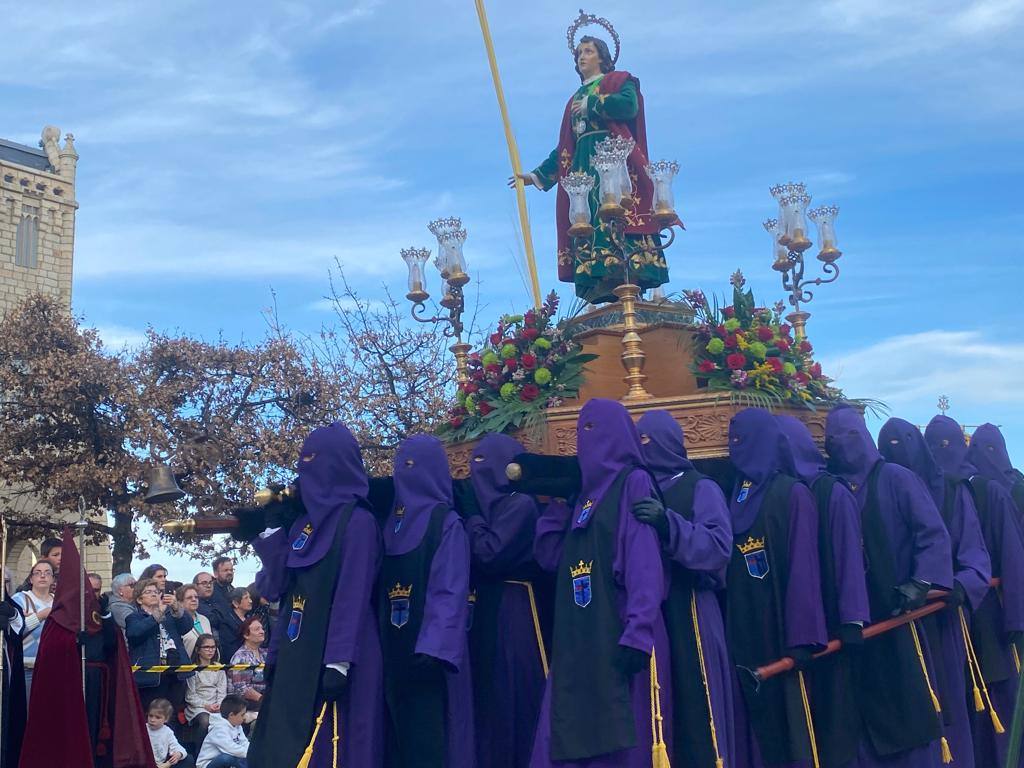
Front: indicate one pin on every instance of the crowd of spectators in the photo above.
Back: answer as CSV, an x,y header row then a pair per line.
x,y
194,718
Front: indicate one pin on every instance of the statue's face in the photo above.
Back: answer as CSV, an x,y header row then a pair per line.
x,y
588,60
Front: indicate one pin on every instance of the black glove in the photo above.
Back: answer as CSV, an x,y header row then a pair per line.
x,y
104,601
651,511
466,503
252,521
852,637
910,595
427,669
332,684
802,655
281,514
630,661
7,614
957,597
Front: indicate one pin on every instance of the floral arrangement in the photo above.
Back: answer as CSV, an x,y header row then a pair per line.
x,y
751,352
528,365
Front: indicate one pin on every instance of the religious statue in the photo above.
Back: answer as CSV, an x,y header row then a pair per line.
x,y
608,103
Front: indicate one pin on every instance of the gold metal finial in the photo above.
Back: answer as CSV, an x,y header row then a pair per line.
x,y
633,357
514,471
179,527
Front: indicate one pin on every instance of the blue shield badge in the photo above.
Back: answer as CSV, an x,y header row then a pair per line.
x,y
295,620
399,611
757,563
581,593
303,537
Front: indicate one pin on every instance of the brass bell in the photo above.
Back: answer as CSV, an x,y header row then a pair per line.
x,y
162,486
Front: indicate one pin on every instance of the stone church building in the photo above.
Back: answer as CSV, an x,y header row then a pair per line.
x,y
37,245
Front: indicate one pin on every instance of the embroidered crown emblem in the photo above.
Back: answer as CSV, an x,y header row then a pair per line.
x,y
399,591
750,545
298,603
582,569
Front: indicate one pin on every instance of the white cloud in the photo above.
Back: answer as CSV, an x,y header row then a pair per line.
x,y
904,370
118,337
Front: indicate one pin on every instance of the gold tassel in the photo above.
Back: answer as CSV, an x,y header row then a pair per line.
x,y
1016,656
337,735
807,715
947,756
997,724
972,663
307,756
719,762
659,752
536,624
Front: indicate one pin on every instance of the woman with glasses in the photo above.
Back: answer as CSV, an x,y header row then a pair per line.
x,y
188,598
206,689
154,637
35,603
250,684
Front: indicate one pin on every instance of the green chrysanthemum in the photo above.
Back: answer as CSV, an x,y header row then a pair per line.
x,y
542,343
542,376
488,357
732,324
507,391
509,350
757,350
789,369
715,346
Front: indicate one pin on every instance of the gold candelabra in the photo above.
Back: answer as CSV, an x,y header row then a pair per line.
x,y
789,242
451,264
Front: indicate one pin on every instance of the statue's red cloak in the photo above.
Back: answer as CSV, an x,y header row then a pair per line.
x,y
638,217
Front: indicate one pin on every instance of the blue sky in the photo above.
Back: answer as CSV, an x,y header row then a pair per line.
x,y
227,149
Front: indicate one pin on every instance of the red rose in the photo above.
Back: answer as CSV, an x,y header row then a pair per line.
x,y
802,377
484,408
495,339
706,366
729,312
775,363
494,368
783,344
816,370
530,333
764,333
529,392
784,330
469,387
736,361
530,317
730,341
805,346
455,421
720,330
508,340
528,361
511,364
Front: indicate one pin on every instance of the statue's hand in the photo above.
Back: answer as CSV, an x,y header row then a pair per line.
x,y
526,178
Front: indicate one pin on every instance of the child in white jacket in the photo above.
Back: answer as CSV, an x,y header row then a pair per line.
x,y
166,749
225,745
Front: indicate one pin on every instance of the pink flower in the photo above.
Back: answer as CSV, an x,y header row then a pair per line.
x,y
707,366
736,361
529,361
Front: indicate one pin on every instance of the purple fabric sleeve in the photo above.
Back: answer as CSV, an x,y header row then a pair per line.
x,y
502,540
360,560
550,536
1011,557
638,567
443,634
272,579
972,567
848,556
804,614
930,549
705,543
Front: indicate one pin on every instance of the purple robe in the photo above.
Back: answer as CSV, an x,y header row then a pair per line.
x,y
501,543
703,545
607,442
917,537
422,482
901,442
760,451
331,475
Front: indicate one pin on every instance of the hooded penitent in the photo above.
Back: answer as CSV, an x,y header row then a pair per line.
x,y
424,614
843,591
904,539
511,614
773,592
989,456
902,443
322,571
122,741
946,441
609,586
698,544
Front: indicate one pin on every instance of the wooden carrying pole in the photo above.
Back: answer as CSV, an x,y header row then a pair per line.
x,y
513,154
786,663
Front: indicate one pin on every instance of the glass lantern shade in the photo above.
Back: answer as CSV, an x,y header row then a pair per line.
x,y
663,173
415,259
618,149
611,187
780,256
450,262
578,185
824,217
798,222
